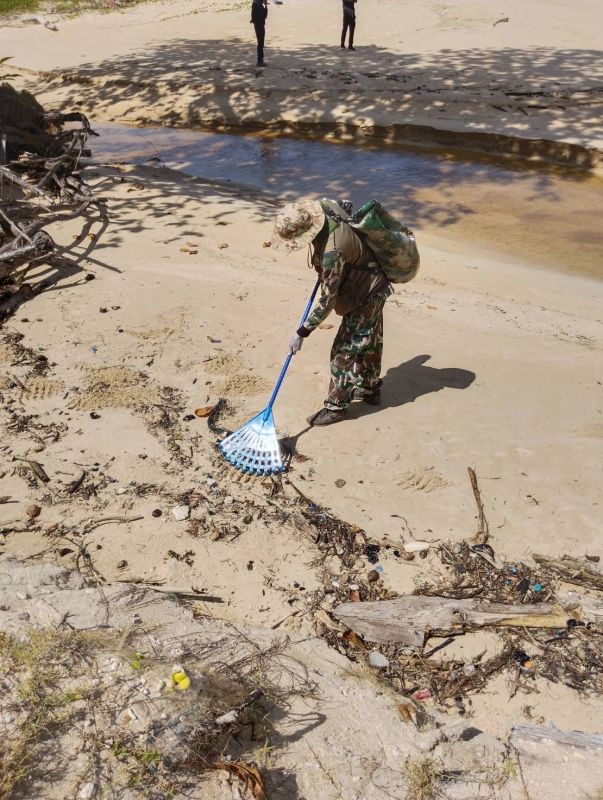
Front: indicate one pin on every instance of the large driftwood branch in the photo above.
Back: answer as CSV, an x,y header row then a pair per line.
x,y
574,570
410,620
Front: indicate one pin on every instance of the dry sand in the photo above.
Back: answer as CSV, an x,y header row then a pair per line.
x,y
488,362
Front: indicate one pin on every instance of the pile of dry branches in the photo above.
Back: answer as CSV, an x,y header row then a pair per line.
x,y
39,186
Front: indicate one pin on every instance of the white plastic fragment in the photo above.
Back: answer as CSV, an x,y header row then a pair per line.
x,y
181,513
378,660
228,718
416,547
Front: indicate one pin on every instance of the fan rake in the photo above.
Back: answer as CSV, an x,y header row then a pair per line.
x,y
254,448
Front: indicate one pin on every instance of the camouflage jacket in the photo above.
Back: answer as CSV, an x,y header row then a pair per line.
x,y
346,280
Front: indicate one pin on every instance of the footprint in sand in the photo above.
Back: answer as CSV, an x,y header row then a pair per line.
x,y
423,479
115,387
37,388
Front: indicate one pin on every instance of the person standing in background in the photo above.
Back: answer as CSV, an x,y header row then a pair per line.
x,y
259,12
349,23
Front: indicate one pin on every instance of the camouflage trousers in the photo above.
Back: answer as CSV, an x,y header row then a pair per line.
x,y
356,354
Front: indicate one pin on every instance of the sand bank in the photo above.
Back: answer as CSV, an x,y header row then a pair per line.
x,y
524,81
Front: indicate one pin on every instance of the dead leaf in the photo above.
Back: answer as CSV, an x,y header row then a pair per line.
x,y
432,308
267,244
184,249
223,246
204,412
248,774
325,326
354,640
135,186
408,712
340,483
212,340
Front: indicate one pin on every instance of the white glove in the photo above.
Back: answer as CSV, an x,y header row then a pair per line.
x,y
295,343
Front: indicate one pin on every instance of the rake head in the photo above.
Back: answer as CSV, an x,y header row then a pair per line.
x,y
254,447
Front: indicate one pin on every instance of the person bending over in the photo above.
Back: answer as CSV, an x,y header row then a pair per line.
x,y
353,285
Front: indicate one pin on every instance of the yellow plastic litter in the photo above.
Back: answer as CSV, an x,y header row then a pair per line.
x,y
181,679
136,662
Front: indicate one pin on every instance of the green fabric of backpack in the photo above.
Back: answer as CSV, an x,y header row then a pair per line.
x,y
393,244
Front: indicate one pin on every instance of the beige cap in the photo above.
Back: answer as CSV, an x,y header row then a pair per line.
x,y
297,224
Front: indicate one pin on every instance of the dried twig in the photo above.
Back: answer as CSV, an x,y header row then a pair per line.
x,y
483,533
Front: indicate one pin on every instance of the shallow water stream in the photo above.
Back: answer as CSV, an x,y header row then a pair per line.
x,y
548,216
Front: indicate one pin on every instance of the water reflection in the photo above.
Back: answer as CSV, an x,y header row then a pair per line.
x,y
522,212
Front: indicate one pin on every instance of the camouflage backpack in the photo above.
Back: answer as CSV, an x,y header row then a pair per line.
x,y
393,244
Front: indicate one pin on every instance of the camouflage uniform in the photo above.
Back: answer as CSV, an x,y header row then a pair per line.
x,y
356,354
358,293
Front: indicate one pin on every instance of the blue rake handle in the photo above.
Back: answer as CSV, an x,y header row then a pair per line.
x,y
290,356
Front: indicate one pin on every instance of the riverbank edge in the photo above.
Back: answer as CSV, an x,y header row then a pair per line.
x,y
459,141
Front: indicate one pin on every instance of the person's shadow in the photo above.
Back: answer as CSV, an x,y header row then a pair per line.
x,y
401,384
408,381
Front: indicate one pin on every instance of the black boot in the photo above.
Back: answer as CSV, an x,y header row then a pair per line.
x,y
372,398
326,417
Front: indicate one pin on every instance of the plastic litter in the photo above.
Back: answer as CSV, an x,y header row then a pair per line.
x,y
377,660
181,513
416,547
180,679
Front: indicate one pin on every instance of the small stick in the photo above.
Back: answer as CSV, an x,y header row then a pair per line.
x,y
74,485
19,383
90,526
483,533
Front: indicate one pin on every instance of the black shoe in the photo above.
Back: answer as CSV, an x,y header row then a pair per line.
x,y
373,398
261,64
326,417
342,45
351,47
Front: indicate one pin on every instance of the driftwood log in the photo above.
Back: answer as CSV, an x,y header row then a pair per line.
x,y
412,619
574,570
557,764
549,734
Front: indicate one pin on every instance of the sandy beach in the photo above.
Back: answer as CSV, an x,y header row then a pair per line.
x,y
490,361
523,80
